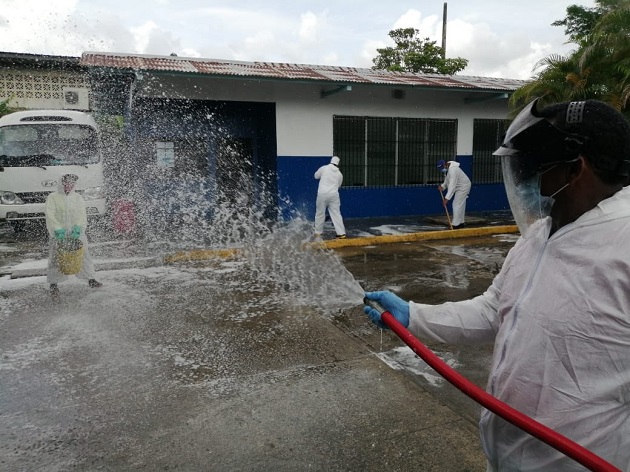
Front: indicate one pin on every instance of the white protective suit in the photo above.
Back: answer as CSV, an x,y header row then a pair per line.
x,y
330,179
457,185
66,211
559,315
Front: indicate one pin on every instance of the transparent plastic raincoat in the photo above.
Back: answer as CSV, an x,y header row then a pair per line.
x,y
66,211
559,316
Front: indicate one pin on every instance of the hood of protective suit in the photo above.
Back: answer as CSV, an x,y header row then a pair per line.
x,y
453,164
335,160
68,178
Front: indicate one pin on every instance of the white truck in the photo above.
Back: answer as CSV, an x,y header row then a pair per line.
x,y
36,148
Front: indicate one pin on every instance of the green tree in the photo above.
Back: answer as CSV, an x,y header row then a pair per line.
x,y
413,54
579,22
600,66
5,109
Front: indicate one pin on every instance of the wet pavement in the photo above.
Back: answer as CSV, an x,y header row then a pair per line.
x,y
244,362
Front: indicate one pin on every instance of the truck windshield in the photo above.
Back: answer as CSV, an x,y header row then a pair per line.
x,y
48,145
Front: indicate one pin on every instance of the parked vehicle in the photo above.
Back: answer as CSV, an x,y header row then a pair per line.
x,y
36,148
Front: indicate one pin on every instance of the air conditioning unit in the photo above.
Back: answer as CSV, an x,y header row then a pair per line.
x,y
76,98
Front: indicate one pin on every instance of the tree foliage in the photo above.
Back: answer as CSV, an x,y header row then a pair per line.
x,y
414,54
5,109
600,66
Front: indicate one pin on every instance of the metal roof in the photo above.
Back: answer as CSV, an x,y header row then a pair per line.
x,y
292,72
18,59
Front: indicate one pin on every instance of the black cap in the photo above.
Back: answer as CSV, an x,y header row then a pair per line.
x,y
564,131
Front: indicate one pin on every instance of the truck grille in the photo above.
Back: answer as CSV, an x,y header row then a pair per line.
x,y
34,197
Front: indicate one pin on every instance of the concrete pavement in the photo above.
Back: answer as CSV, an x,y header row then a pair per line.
x,y
208,365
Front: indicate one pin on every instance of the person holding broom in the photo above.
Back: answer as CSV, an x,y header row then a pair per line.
x,y
66,221
457,186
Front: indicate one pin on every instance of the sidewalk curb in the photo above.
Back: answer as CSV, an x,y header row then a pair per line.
x,y
204,254
423,236
200,255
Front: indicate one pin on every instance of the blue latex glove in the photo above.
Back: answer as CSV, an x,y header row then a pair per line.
x,y
60,233
76,232
392,303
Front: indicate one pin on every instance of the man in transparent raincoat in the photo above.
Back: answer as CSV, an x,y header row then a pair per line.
x,y
559,310
66,218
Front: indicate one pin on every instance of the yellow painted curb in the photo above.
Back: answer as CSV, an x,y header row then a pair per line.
x,y
200,255
205,254
424,236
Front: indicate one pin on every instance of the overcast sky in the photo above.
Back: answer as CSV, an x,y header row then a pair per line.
x,y
500,38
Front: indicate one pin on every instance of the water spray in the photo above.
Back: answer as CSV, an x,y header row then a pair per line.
x,y
559,442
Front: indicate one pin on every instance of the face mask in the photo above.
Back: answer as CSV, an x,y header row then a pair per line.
x,y
527,204
550,197
532,203
444,171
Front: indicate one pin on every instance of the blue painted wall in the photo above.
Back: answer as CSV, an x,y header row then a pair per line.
x,y
297,185
164,194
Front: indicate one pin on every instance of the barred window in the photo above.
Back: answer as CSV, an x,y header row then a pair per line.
x,y
487,137
383,152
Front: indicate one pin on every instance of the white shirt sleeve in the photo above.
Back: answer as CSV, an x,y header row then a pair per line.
x,y
473,321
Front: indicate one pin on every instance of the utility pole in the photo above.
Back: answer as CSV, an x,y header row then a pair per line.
x,y
444,32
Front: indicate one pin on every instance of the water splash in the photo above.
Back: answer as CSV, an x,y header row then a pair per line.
x,y
219,197
315,276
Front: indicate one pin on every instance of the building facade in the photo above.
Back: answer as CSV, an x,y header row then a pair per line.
x,y
201,131
31,82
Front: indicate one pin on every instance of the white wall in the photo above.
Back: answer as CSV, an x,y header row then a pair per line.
x,y
304,118
36,89
304,124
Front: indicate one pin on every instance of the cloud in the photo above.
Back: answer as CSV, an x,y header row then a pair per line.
x,y
284,32
427,27
492,55
302,37
309,27
60,28
24,31
151,39
368,52
488,54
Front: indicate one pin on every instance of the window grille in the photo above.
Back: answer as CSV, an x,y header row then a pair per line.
x,y
487,137
385,151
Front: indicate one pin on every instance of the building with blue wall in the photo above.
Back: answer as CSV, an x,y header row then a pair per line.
x,y
201,123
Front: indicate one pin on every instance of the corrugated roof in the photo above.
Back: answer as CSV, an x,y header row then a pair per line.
x,y
293,72
38,60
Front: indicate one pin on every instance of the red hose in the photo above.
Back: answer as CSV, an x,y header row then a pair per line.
x,y
527,424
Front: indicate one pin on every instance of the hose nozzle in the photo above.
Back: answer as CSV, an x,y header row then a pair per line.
x,y
374,304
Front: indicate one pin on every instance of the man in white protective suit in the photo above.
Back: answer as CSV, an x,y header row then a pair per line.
x,y
330,179
558,312
457,186
66,217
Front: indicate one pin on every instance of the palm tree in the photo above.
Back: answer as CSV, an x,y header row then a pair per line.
x,y
598,69
610,48
560,79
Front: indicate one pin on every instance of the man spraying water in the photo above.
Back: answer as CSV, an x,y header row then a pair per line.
x,y
558,312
